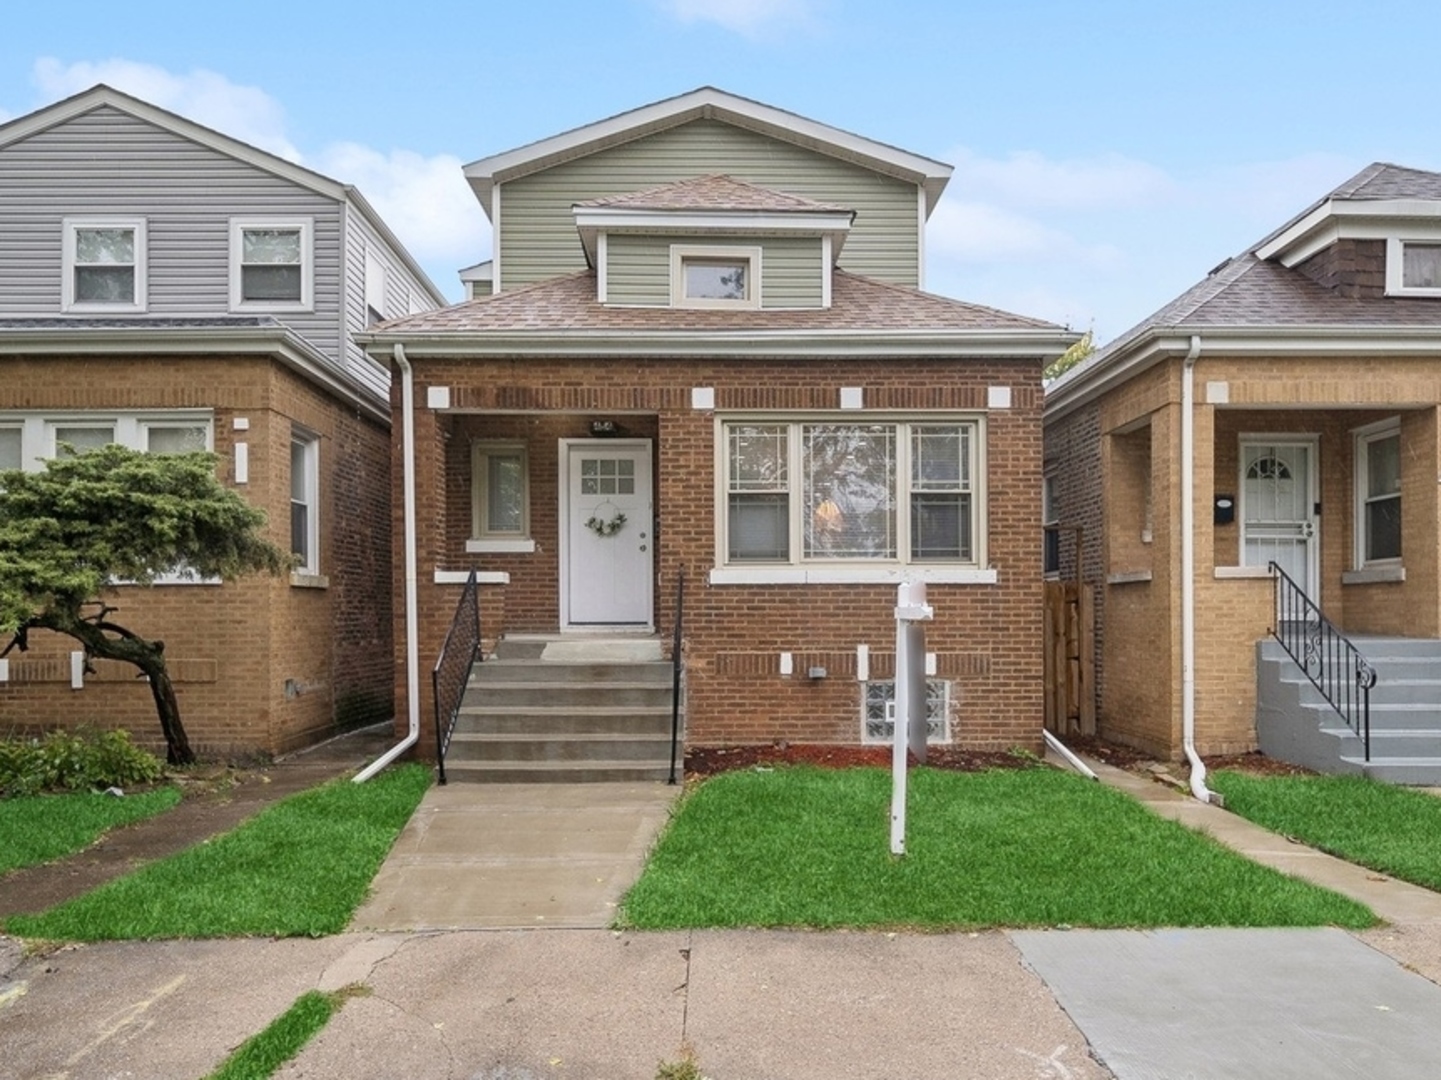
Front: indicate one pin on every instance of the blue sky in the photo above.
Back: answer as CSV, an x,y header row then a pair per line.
x,y
1107,155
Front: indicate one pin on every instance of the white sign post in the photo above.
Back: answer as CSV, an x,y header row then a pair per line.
x,y
910,704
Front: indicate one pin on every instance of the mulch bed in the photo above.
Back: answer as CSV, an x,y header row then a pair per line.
x,y
709,760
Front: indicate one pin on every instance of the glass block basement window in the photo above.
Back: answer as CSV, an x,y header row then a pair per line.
x,y
879,712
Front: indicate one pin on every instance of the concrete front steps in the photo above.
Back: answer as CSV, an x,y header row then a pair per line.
x,y
1294,722
565,710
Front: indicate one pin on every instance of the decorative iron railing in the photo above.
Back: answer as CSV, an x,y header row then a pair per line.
x,y
1333,664
677,664
451,675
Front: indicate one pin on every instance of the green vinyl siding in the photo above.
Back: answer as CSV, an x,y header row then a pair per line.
x,y
638,267
638,270
537,236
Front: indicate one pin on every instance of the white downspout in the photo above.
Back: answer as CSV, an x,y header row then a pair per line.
x,y
412,626
1188,572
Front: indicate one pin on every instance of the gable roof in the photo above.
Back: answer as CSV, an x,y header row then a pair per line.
x,y
706,103
561,316
101,96
1258,304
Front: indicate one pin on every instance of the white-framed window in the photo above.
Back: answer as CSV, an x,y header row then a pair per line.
x,y
305,501
878,711
12,442
1050,517
715,276
28,438
374,288
1378,494
500,494
272,264
832,490
1413,267
75,436
104,263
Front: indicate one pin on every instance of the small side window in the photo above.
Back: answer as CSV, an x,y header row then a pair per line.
x,y
104,265
304,508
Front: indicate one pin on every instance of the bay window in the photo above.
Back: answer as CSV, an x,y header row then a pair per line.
x,y
833,491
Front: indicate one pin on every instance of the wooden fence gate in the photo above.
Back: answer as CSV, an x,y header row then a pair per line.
x,y
1070,668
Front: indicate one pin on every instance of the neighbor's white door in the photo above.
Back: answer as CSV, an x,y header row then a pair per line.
x,y
610,542
1278,509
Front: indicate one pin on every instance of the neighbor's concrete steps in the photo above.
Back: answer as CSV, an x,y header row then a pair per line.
x,y
525,719
1294,723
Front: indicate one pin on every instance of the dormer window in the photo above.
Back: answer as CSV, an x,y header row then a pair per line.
x,y
715,277
104,265
1413,267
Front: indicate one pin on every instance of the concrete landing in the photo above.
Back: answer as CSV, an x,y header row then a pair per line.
x,y
488,856
1240,1004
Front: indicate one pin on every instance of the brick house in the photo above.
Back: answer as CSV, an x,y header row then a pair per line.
x,y
167,287
702,347
1282,410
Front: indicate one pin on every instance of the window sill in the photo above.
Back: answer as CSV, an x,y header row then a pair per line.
x,y
1374,575
1241,573
851,575
498,547
482,577
1129,577
308,581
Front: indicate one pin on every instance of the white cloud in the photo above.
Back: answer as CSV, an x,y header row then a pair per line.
x,y
982,232
246,113
424,199
1027,178
748,17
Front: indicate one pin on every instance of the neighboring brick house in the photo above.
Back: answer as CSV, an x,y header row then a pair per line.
x,y
706,348
1308,370
167,287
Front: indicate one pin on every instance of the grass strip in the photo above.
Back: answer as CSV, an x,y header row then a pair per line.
x,y
805,847
299,868
1394,830
38,828
261,1055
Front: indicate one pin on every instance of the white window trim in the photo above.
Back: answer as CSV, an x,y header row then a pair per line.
x,y
1363,437
1395,282
488,540
306,227
800,570
680,254
310,566
375,281
68,265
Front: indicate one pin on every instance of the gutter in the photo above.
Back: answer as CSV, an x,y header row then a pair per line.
x,y
1188,572
412,625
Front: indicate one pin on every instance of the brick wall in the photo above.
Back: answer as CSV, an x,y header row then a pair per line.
x,y
231,648
986,637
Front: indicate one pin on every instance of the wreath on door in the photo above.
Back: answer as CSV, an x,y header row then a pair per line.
x,y
604,526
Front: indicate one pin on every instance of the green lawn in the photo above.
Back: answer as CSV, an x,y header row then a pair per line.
x,y
261,1056
40,828
1391,829
299,868
810,847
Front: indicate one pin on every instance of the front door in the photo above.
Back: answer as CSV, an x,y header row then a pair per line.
x,y
1278,508
607,524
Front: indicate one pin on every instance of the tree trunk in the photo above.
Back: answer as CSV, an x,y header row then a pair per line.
x,y
95,633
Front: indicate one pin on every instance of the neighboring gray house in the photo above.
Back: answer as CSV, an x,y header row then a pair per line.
x,y
165,286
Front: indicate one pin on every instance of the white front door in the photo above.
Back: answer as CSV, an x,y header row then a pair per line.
x,y
1278,508
607,523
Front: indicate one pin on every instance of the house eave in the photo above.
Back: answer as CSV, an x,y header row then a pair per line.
x,y
1348,219
1085,384
706,103
1018,345
279,343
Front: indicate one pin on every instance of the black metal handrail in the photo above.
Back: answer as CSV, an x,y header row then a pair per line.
x,y
676,665
458,655
1333,664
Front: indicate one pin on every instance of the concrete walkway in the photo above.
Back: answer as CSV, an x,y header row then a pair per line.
x,y
492,856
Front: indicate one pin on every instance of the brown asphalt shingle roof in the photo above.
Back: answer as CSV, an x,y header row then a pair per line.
x,y
714,192
568,303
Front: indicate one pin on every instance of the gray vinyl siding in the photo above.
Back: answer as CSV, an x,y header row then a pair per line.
x,y
108,162
638,268
537,235
401,288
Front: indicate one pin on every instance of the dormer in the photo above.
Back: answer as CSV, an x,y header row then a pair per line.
x,y
1379,234
712,242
